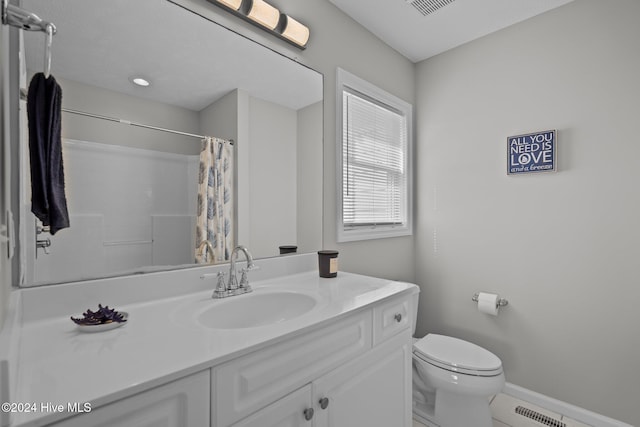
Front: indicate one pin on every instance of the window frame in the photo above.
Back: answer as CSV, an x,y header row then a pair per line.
x,y
352,83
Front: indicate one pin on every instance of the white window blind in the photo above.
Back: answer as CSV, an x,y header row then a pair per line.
x,y
375,167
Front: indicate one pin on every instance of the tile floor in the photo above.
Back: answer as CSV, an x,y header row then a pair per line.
x,y
503,409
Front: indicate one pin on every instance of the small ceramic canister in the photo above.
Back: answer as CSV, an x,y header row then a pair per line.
x,y
328,263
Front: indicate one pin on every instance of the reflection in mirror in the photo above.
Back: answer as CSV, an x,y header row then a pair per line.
x,y
131,190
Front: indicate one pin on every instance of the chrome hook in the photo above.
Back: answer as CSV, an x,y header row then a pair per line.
x,y
50,31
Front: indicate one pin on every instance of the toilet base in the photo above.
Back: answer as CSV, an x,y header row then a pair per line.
x,y
423,416
462,411
451,410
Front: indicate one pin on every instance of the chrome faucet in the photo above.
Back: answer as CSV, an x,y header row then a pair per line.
x,y
232,287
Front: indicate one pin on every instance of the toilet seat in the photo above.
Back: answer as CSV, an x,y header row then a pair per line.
x,y
456,355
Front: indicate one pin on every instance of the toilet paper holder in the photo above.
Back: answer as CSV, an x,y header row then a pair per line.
x,y
501,301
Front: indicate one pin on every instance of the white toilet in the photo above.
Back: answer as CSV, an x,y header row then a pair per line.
x,y
453,381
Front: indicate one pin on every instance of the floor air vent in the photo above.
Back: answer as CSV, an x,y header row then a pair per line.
x,y
537,416
427,7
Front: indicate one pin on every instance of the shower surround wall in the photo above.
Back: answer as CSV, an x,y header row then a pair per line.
x,y
141,215
561,247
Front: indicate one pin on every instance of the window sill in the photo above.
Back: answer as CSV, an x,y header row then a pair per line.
x,y
372,233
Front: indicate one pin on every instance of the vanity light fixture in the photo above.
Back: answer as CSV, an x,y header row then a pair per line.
x,y
265,16
231,4
292,30
263,13
139,81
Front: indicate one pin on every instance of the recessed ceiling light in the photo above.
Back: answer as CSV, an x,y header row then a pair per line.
x,y
140,81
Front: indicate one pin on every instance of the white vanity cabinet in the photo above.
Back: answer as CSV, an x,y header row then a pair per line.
x,y
336,376
344,362
181,403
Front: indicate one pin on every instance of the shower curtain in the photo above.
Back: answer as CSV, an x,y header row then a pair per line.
x,y
215,204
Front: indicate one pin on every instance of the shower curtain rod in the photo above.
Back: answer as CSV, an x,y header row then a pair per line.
x,y
23,96
127,122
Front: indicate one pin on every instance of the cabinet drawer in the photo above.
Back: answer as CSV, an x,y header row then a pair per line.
x,y
390,318
251,382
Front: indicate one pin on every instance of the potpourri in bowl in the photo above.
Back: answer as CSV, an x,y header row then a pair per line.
x,y
102,319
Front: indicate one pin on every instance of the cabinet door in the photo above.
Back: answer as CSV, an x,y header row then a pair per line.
x,y
293,410
182,403
373,390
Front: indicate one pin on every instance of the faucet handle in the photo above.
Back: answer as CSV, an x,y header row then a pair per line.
x,y
244,281
221,286
243,277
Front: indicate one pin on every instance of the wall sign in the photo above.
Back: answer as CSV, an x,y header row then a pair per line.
x,y
531,152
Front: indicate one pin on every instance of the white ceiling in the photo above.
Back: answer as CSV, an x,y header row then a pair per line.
x,y
403,27
190,61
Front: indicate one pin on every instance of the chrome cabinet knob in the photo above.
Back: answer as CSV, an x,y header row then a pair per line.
x,y
308,414
324,402
398,317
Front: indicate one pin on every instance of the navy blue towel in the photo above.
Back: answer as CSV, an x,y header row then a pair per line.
x,y
48,200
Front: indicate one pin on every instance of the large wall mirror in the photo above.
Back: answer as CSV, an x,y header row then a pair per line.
x,y
132,190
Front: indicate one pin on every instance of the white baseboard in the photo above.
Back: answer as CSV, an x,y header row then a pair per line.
x,y
566,409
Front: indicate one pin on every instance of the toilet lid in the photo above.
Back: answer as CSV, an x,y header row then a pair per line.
x,y
457,355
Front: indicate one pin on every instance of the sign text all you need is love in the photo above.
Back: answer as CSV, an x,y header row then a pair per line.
x,y
531,152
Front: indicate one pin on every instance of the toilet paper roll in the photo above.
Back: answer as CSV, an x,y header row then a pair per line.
x,y
488,303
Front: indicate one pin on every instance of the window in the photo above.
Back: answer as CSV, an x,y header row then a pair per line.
x,y
374,173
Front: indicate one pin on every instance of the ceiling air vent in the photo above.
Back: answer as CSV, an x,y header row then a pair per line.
x,y
427,7
537,416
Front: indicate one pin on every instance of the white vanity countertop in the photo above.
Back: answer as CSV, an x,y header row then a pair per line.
x,y
162,341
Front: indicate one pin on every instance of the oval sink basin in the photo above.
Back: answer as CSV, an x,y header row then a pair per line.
x,y
256,309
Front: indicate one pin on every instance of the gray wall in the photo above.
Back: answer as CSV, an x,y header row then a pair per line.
x,y
309,169
338,41
221,117
272,146
561,247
